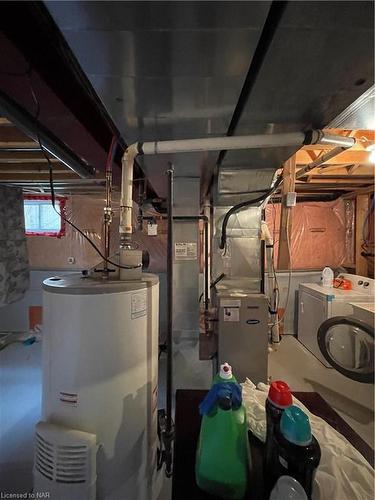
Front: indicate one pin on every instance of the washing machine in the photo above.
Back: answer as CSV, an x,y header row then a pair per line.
x,y
347,342
318,304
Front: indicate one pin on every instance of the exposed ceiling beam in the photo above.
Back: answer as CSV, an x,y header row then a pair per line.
x,y
19,146
27,156
332,181
19,171
340,170
59,182
308,187
29,125
361,190
35,162
13,177
349,156
9,133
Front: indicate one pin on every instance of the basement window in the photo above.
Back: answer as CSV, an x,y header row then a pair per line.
x,y
40,217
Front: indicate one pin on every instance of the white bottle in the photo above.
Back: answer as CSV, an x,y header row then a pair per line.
x,y
225,371
288,488
327,277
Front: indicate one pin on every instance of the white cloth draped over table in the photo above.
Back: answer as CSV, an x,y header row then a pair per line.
x,y
343,473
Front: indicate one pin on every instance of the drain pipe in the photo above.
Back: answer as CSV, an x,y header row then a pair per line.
x,y
129,257
126,201
219,143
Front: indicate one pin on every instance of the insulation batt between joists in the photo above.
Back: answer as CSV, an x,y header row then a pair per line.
x,y
321,233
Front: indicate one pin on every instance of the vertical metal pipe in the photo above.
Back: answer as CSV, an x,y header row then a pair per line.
x,y
168,465
262,257
262,266
108,205
207,213
206,277
106,238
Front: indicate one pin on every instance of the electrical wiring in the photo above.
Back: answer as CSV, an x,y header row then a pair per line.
x,y
213,283
111,153
273,299
290,269
26,338
236,193
276,289
53,198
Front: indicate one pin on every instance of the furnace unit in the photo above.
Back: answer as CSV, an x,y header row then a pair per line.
x,y
243,331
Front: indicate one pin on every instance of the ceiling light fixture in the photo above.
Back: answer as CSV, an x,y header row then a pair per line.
x,y
371,150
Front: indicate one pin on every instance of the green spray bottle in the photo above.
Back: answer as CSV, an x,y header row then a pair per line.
x,y
223,458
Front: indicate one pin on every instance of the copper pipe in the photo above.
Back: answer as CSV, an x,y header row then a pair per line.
x,y
108,206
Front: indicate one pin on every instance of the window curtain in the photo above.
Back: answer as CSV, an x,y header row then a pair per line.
x,y
14,264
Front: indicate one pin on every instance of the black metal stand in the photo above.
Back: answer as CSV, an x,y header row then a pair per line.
x,y
169,431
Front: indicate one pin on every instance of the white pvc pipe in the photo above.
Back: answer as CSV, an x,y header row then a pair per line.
x,y
126,201
207,213
223,143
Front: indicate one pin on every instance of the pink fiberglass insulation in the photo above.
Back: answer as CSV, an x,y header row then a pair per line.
x,y
321,233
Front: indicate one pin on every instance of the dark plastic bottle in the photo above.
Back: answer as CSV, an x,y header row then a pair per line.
x,y
295,451
279,398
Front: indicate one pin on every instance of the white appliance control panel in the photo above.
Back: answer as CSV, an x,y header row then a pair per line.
x,y
359,283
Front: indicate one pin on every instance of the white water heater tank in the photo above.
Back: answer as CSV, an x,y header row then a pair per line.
x,y
100,375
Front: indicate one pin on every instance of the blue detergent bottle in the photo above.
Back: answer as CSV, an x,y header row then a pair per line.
x,y
295,450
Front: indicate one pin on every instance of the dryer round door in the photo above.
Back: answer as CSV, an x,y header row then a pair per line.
x,y
347,343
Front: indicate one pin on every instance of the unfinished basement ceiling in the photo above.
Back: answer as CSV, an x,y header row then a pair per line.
x,y
170,70
24,164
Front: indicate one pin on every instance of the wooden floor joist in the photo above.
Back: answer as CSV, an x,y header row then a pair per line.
x,y
288,186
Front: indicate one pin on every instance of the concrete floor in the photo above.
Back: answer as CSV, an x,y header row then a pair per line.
x,y
354,401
